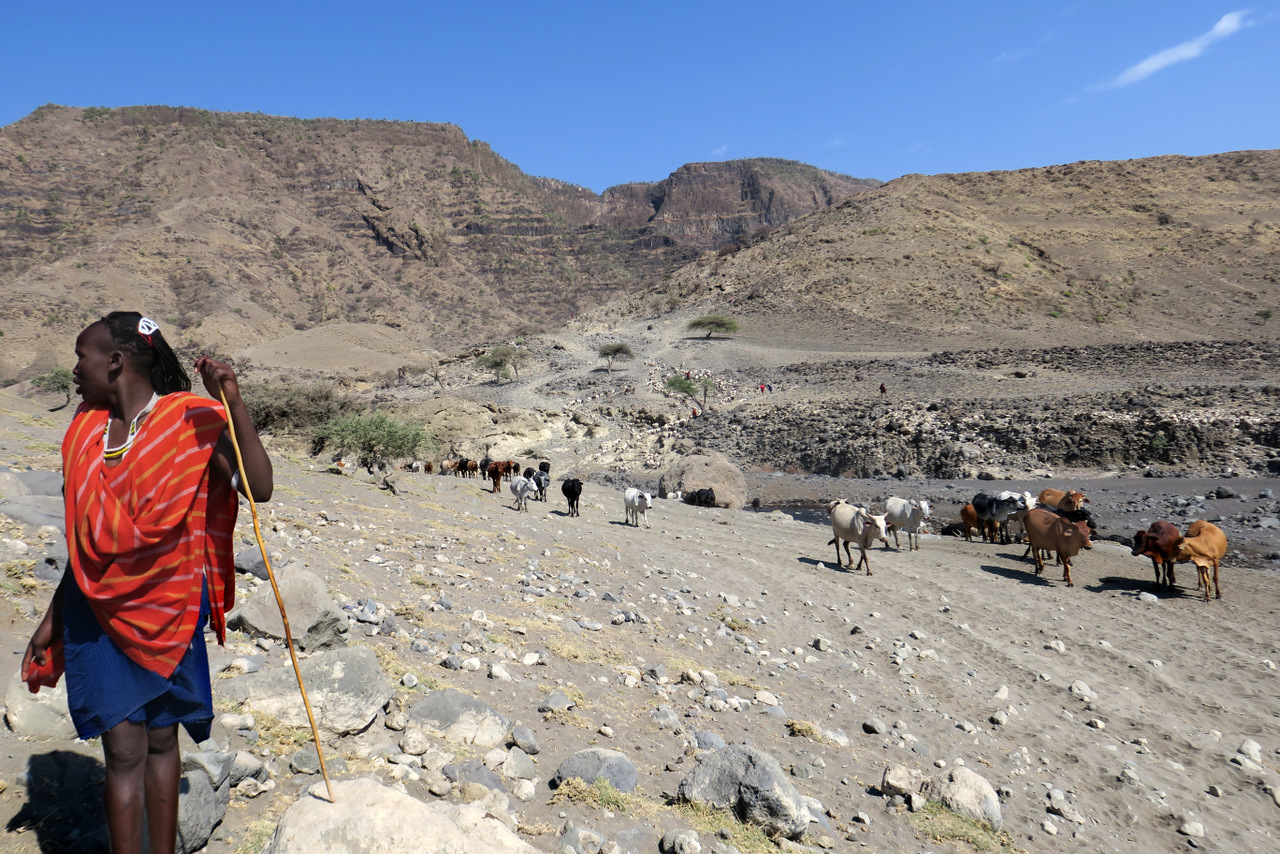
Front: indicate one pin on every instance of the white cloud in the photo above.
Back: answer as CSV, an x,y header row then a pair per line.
x,y
1230,23
719,152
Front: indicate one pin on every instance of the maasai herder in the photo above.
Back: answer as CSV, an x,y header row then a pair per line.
x,y
149,479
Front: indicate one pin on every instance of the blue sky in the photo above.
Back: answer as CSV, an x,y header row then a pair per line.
x,y
601,93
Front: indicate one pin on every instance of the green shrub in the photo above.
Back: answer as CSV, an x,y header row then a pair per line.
x,y
286,407
376,439
711,323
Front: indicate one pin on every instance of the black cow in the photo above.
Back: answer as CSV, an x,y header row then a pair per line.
x,y
528,473
701,497
545,466
572,489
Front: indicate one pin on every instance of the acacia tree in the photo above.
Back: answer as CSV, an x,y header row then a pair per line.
x,y
500,359
691,388
57,380
713,323
616,350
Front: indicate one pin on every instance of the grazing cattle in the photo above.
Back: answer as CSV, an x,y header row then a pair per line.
x,y
636,504
1061,499
460,470
512,469
1160,543
473,468
1047,531
852,524
522,488
485,462
495,474
994,513
908,516
1204,545
969,519
528,472
541,480
572,491
545,466
449,467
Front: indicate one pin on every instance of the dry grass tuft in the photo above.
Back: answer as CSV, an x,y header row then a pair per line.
x,y
940,824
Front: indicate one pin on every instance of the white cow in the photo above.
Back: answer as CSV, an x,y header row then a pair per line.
x,y
522,488
856,525
908,516
636,504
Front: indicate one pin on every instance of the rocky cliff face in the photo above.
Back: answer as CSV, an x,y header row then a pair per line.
x,y
235,228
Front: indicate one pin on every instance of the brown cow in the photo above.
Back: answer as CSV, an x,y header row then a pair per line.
x,y
1048,531
495,475
473,468
1204,545
1066,500
969,519
1160,543
449,467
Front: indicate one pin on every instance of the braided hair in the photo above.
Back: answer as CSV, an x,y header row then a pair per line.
x,y
150,354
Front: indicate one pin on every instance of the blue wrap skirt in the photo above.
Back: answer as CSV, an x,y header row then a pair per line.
x,y
105,687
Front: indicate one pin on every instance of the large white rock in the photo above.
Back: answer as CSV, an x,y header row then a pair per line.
x,y
346,688
966,792
370,818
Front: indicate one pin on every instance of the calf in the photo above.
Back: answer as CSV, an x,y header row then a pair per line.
x,y
1050,532
572,491
1160,542
1204,545
908,516
522,488
852,524
636,504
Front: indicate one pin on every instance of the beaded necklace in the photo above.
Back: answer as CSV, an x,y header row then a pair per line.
x,y
118,452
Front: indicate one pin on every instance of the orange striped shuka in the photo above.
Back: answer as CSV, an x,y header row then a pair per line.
x,y
144,532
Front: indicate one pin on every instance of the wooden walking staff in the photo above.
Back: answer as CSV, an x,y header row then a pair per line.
x,y
288,635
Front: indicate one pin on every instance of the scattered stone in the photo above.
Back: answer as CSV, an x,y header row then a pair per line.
x,y
966,792
369,817
1058,805
459,718
1149,598
1252,750
314,618
680,842
1194,829
874,726
594,762
1049,827
523,738
750,783
346,687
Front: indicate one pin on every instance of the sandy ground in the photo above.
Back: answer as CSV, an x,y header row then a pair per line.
x,y
937,644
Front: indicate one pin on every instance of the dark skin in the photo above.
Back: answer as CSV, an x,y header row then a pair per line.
x,y
144,764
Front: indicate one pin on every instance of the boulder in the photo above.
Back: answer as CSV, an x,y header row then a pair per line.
x,y
346,688
369,818
702,469
966,792
315,619
596,762
41,716
752,785
460,719
203,796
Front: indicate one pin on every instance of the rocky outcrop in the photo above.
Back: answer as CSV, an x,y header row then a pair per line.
x,y
750,783
703,469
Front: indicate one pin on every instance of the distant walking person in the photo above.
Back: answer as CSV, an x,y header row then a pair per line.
x,y
883,391
762,388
